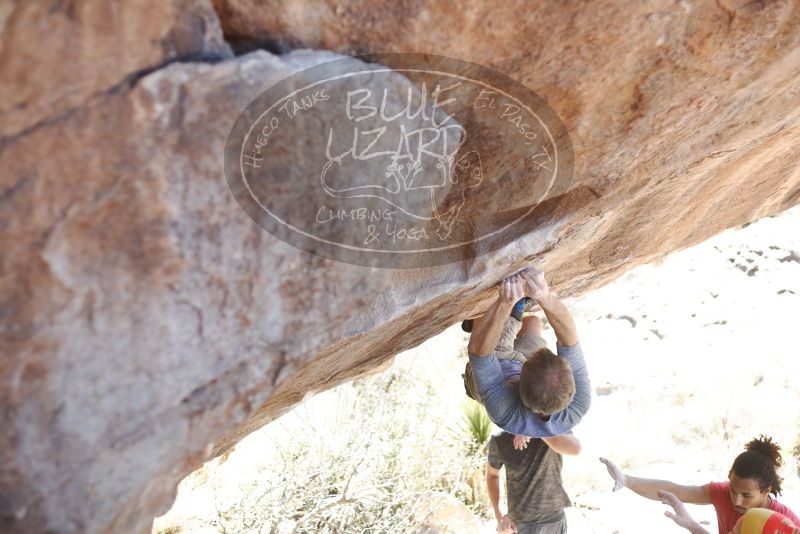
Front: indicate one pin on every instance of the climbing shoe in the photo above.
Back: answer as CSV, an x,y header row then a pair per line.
x,y
524,304
521,307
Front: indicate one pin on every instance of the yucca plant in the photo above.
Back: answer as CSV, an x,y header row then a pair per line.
x,y
477,424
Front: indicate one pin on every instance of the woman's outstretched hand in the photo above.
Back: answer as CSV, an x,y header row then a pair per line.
x,y
679,514
616,473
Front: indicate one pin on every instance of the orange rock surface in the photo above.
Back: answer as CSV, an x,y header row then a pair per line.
x,y
148,323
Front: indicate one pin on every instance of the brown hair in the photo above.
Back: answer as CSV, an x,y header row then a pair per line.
x,y
546,384
760,461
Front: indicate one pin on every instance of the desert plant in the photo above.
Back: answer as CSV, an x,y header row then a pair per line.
x,y
477,424
379,468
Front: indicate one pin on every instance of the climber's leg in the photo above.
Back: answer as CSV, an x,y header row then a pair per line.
x,y
530,339
505,346
531,326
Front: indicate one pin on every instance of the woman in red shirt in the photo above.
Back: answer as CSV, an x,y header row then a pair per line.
x,y
754,521
753,482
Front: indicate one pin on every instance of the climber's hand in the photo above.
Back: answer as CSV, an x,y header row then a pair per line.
x,y
512,289
536,286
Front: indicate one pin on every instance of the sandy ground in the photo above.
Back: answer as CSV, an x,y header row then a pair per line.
x,y
690,359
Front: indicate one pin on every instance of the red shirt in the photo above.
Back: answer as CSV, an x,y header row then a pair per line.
x,y
720,493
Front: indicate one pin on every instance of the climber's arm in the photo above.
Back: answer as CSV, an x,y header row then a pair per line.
x,y
568,347
582,399
560,318
486,332
558,315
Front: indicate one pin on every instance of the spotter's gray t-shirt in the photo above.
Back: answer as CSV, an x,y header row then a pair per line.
x,y
533,479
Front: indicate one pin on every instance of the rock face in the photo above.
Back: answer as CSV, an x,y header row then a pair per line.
x,y
56,55
147,323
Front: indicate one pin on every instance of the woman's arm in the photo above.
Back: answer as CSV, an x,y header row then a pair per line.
x,y
649,487
557,313
679,514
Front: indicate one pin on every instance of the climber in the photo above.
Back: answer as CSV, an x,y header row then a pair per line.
x,y
754,521
546,395
751,480
535,494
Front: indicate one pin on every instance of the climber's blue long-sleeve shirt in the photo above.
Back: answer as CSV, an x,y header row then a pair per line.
x,y
504,406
